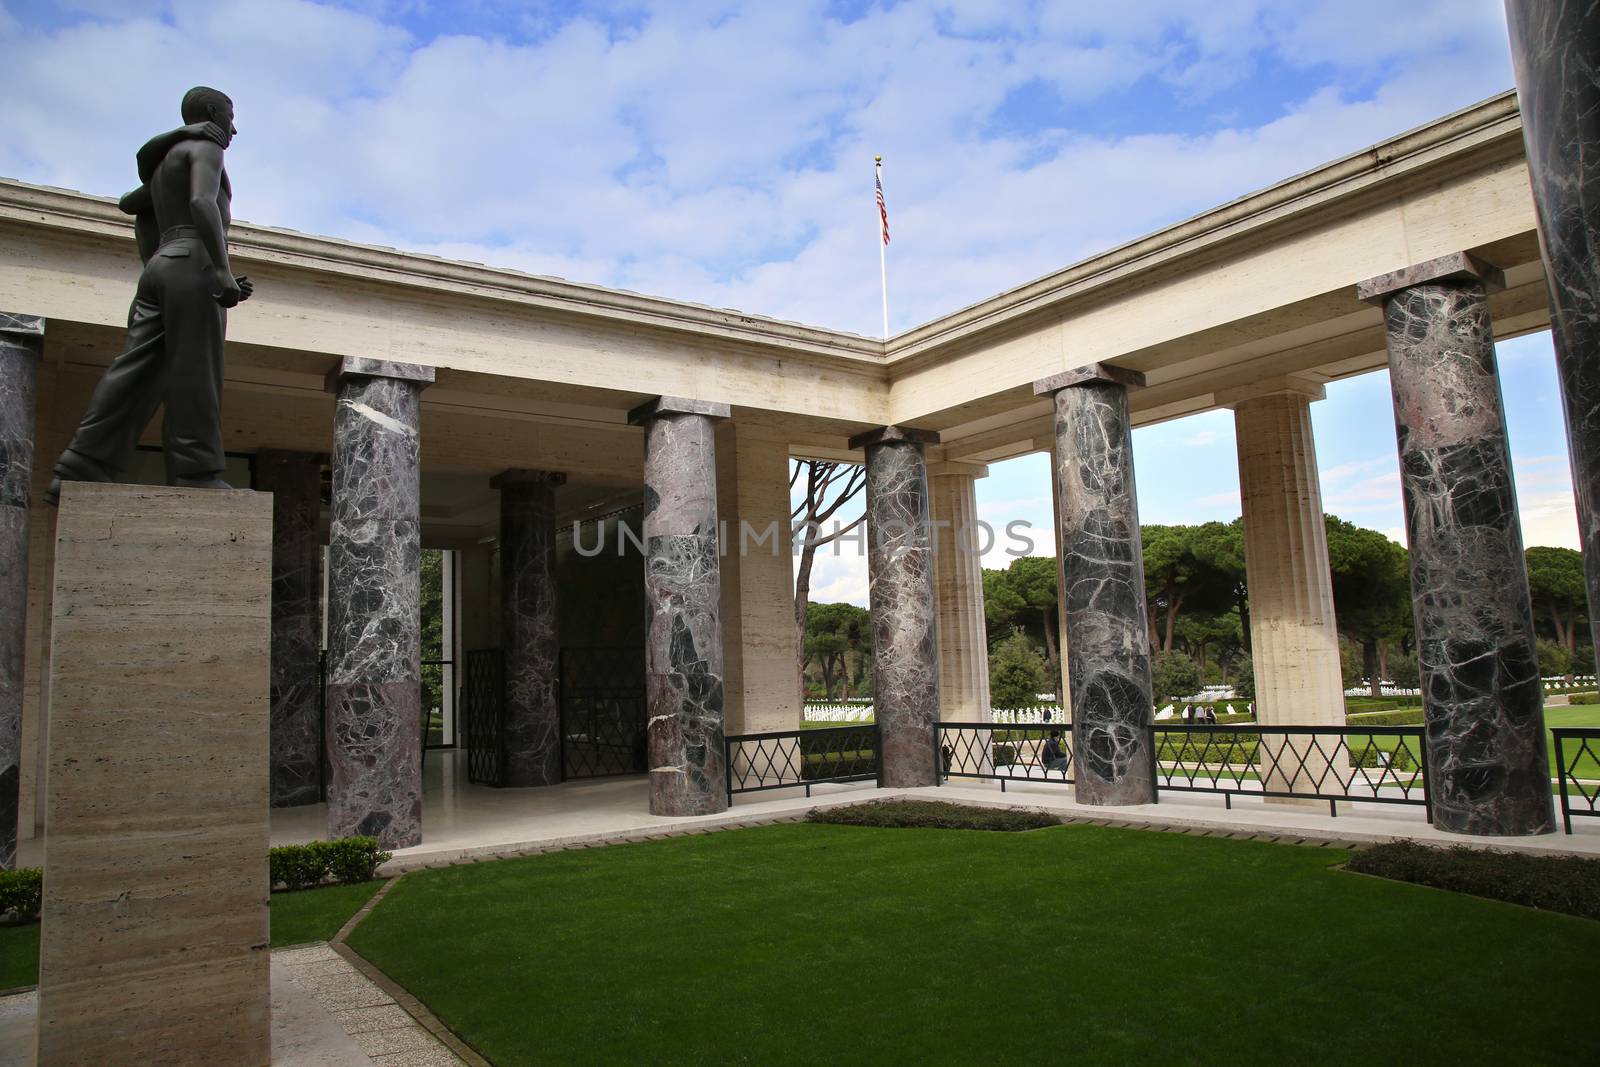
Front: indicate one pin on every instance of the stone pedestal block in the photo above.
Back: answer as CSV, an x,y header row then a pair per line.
x,y
154,946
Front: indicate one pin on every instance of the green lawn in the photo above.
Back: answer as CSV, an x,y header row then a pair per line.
x,y
309,915
854,945
19,955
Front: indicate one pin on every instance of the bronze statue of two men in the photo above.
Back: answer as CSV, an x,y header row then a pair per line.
x,y
173,354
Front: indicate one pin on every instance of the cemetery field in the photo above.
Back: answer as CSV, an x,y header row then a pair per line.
x,y
859,945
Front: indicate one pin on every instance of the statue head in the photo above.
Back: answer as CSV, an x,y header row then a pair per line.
x,y
204,104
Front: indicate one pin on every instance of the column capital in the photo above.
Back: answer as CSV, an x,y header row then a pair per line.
x,y
524,476
677,405
1094,372
362,367
1280,385
1457,266
21,327
889,435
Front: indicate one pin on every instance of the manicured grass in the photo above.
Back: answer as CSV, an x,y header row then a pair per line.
x,y
19,955
309,915
316,914
857,945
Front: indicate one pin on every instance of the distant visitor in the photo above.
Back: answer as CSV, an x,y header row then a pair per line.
x,y
173,355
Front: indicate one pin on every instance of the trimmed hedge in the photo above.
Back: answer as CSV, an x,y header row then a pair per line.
x,y
346,861
1402,717
1569,884
20,893
932,814
1584,698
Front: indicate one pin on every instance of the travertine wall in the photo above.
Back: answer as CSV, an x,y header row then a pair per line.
x,y
760,646
1293,635
154,942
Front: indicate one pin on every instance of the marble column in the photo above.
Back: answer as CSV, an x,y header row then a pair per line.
x,y
531,647
683,641
1483,702
958,591
374,698
295,481
905,626
21,343
1108,639
1555,49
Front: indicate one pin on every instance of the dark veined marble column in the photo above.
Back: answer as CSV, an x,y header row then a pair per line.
x,y
683,592
295,481
374,699
1103,602
1555,48
1483,700
21,343
905,612
531,723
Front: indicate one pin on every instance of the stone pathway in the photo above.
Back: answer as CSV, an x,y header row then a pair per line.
x,y
325,1013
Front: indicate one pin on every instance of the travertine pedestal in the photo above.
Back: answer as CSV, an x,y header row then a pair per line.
x,y
1102,593
154,946
905,624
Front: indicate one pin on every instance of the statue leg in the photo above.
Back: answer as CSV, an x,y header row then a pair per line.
x,y
124,401
191,425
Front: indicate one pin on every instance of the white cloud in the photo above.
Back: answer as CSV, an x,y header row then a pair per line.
x,y
721,152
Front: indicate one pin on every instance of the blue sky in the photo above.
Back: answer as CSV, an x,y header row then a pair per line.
x,y
721,152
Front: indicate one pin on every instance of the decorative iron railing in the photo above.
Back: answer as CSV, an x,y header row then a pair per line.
x,y
481,706
1577,771
1371,764
784,759
602,712
1006,752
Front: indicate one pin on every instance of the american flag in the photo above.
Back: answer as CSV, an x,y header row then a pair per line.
x,y
883,212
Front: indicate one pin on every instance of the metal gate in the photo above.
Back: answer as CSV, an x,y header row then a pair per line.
x,y
481,704
602,712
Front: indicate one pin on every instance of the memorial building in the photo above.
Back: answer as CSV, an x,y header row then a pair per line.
x,y
409,413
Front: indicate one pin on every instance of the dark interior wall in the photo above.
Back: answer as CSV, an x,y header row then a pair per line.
x,y
602,595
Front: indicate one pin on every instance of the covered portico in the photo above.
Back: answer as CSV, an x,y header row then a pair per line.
x,y
396,403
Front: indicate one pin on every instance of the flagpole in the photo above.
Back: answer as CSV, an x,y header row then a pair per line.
x,y
883,265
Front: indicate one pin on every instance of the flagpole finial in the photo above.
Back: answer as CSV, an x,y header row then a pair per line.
x,y
878,158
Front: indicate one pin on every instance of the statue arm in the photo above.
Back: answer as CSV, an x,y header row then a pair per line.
x,y
205,183
157,147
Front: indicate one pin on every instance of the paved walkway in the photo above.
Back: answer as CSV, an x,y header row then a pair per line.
x,y
325,1013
